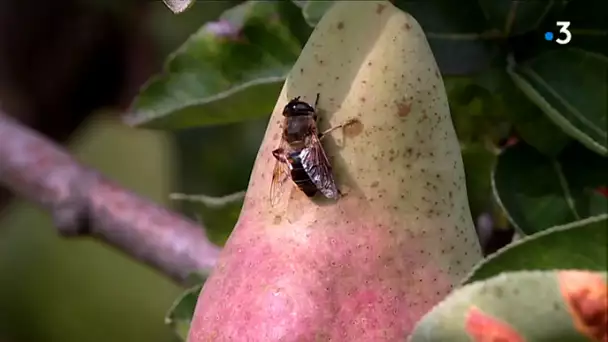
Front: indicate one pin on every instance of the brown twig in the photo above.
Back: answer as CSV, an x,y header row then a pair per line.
x,y
83,202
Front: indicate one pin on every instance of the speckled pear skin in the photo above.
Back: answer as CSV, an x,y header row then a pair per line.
x,y
367,266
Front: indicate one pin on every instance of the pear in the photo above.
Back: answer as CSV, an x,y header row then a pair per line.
x,y
367,266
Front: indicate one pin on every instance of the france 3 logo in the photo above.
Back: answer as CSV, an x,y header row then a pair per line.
x,y
565,36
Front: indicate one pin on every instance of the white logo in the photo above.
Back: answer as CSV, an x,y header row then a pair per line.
x,y
564,29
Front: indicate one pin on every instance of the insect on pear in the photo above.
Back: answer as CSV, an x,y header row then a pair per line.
x,y
300,155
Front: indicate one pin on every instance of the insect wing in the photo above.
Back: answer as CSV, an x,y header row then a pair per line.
x,y
280,177
317,167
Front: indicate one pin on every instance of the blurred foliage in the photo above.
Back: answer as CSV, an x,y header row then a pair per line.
x,y
539,192
178,6
530,114
504,83
58,289
228,71
180,314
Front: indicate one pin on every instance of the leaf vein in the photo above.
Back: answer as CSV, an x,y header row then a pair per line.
x,y
563,182
565,103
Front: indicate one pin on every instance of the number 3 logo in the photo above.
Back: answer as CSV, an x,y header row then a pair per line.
x,y
564,29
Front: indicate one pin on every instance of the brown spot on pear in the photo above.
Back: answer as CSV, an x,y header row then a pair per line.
x,y
403,108
353,128
586,296
367,266
482,327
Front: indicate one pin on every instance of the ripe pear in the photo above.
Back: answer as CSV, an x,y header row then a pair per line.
x,y
367,266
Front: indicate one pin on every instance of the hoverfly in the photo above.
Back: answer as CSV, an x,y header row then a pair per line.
x,y
300,155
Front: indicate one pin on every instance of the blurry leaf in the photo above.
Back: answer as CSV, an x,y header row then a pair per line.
x,y
295,21
577,245
493,79
313,10
230,70
180,314
221,221
513,17
532,125
589,26
210,201
178,6
217,161
585,172
218,214
569,85
518,306
538,192
194,279
478,163
457,31
506,100
476,113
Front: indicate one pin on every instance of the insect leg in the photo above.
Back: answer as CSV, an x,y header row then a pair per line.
x,y
279,154
349,122
315,116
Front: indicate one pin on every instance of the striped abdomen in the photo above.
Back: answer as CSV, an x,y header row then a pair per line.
x,y
299,175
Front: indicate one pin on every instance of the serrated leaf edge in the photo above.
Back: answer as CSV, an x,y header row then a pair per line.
x,y
555,229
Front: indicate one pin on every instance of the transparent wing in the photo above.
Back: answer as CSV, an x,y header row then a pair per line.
x,y
317,167
280,178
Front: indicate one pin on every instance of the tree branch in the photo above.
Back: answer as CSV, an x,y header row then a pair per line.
x,y
83,202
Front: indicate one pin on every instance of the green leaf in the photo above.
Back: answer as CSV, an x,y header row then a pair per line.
x,y
518,306
569,85
513,17
538,192
477,113
314,10
178,6
221,221
578,245
180,314
478,162
230,70
532,125
216,161
589,26
218,214
457,31
585,173
507,101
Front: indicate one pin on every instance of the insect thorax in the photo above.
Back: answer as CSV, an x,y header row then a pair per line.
x,y
297,128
